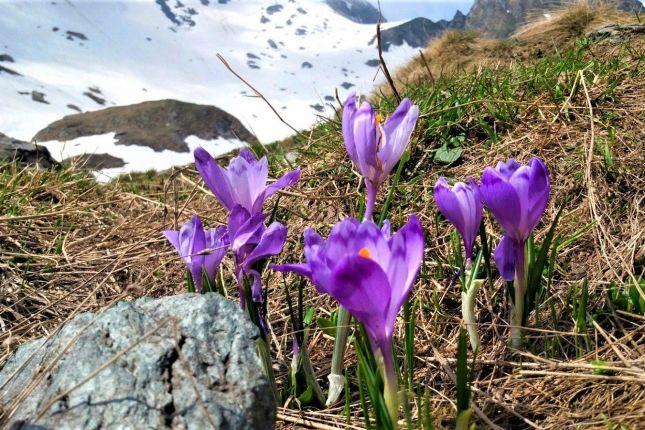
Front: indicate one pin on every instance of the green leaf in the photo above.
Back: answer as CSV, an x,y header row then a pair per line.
x,y
328,325
307,396
536,269
309,316
463,389
446,155
190,284
463,419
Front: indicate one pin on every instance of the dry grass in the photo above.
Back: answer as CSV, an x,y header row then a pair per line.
x,y
68,245
456,51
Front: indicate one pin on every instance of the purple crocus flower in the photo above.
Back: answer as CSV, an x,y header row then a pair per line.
x,y
202,250
461,204
517,196
374,148
370,272
252,242
244,182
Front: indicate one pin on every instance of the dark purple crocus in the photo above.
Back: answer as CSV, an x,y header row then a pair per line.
x,y
517,196
202,250
244,182
461,204
375,148
370,272
251,241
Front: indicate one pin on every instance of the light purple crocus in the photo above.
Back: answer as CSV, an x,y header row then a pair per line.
x,y
202,250
370,272
462,205
374,148
244,182
251,241
517,196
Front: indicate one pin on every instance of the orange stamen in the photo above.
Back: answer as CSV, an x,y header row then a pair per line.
x,y
379,118
365,253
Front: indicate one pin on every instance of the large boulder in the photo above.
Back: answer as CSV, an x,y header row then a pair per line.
x,y
181,362
159,124
24,153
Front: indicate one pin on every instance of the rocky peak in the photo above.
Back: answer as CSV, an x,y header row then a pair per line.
x,y
361,11
500,18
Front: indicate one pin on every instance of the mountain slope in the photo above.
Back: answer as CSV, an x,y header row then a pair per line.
x,y
82,55
500,18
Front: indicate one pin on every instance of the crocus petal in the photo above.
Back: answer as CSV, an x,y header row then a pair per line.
x,y
506,169
349,110
538,193
502,200
301,269
256,285
242,227
505,255
173,238
405,262
248,155
285,181
239,174
217,242
362,287
215,178
397,131
449,205
341,240
270,244
366,139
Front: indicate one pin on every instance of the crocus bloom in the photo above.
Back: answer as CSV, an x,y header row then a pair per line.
x,y
374,148
202,250
517,196
244,182
462,206
370,273
252,242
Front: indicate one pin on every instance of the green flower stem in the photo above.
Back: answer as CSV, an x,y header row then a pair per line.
x,y
267,365
336,378
520,292
468,300
390,385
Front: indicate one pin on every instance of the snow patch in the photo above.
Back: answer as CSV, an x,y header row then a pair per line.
x,y
136,158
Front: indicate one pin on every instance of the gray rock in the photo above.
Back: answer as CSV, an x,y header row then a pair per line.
x,y
157,355
615,31
24,153
361,11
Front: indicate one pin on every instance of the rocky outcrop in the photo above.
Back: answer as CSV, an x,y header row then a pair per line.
x,y
419,31
24,153
181,362
500,18
615,32
160,125
361,11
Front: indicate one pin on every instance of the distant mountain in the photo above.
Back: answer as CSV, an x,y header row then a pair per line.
x,y
64,57
419,31
360,11
500,18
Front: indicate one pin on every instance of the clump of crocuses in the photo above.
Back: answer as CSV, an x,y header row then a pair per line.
x,y
517,195
370,273
462,205
374,148
242,189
